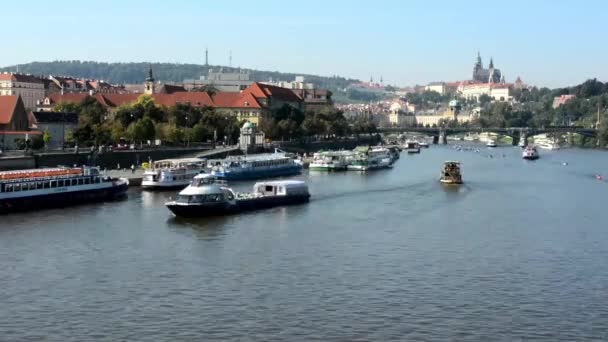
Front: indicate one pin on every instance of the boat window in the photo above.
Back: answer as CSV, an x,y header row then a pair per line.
x,y
6,188
80,181
31,186
268,188
60,183
74,181
87,180
46,185
97,180
17,187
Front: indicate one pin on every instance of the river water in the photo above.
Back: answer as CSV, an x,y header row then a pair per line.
x,y
517,253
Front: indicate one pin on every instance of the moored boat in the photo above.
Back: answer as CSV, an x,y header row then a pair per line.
x,y
423,144
256,166
172,173
450,173
208,196
330,161
412,147
530,153
491,143
368,158
56,187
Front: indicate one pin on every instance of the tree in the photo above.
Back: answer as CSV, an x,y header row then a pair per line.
x,y
207,88
83,135
46,138
484,99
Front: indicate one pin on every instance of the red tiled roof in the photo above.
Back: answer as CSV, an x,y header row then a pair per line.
x,y
235,100
20,132
260,90
197,99
7,108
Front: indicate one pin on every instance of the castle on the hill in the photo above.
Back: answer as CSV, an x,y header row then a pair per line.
x,y
489,75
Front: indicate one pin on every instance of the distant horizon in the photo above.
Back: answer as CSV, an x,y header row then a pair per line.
x,y
546,43
14,66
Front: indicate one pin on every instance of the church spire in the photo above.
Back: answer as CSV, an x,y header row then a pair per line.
x,y
491,66
478,63
150,77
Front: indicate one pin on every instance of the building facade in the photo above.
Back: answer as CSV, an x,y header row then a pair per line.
x,y
438,87
222,80
498,92
56,124
29,88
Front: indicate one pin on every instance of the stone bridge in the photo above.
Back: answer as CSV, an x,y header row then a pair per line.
x,y
440,134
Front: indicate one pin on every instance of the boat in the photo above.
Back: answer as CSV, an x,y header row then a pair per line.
x,y
546,142
172,173
394,152
330,161
547,145
412,147
530,153
36,189
491,143
368,158
423,144
256,167
209,196
450,173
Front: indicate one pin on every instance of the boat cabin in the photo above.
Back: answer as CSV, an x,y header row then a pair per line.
x,y
281,188
205,189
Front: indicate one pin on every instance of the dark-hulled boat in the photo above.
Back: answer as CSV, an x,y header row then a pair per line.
x,y
208,196
56,187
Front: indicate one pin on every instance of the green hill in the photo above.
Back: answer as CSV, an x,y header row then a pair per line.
x,y
120,73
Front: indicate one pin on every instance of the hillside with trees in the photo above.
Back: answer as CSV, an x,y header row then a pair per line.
x,y
121,73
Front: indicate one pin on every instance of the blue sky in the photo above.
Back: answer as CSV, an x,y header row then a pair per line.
x,y
552,43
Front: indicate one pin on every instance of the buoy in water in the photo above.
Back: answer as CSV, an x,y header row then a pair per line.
x,y
599,177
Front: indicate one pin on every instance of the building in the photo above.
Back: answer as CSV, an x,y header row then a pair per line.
x,y
439,87
497,91
63,84
14,122
243,105
398,115
56,124
29,88
272,97
489,75
452,112
561,100
251,140
222,80
315,99
298,83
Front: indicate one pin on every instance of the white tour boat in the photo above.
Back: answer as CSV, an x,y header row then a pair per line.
x,y
491,143
56,187
330,160
370,158
172,173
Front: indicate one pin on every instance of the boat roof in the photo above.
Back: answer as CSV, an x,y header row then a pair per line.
x,y
287,183
204,176
451,162
207,189
256,157
180,160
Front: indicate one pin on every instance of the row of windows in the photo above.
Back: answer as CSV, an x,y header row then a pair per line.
x,y
26,186
270,162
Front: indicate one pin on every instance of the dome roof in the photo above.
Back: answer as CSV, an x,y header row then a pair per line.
x,y
247,125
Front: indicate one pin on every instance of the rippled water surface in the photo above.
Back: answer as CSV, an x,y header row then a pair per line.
x,y
518,253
